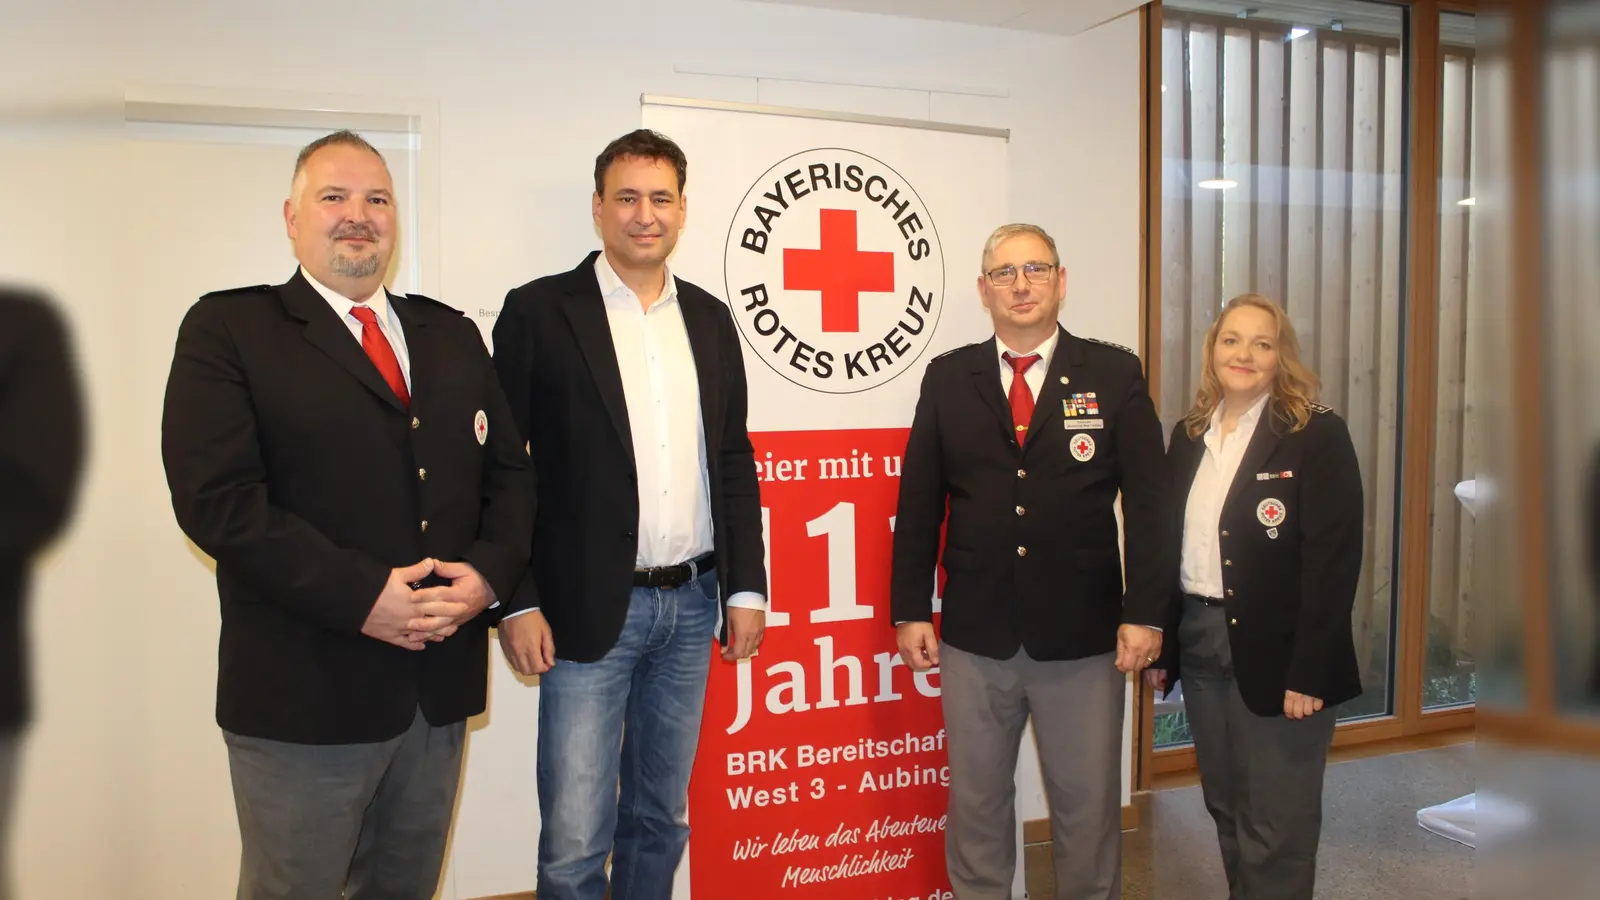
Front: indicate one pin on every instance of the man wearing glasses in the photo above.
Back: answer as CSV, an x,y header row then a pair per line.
x,y
1020,447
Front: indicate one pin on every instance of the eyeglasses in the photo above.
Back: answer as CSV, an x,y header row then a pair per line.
x,y
1005,276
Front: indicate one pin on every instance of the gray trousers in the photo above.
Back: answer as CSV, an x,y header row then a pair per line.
x,y
359,821
1077,722
1261,776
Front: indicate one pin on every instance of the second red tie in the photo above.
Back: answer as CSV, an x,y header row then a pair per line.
x,y
1021,396
381,354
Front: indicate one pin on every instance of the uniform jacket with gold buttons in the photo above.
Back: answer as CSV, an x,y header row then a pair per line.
x,y
1031,547
1290,536
294,465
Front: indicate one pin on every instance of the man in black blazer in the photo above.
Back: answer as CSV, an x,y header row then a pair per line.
x,y
1036,616
41,463
347,457
628,383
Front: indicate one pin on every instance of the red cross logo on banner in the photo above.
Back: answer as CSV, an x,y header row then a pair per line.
x,y
839,270
834,271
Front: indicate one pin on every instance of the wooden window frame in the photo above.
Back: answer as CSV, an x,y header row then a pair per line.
x,y
1419,364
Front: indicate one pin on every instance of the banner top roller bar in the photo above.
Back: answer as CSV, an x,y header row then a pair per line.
x,y
830,115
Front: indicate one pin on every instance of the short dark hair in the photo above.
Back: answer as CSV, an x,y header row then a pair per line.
x,y
346,137
644,144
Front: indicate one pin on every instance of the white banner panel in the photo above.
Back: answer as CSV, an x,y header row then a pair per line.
x,y
882,282
849,253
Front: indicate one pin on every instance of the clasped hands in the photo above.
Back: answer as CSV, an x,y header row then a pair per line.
x,y
411,617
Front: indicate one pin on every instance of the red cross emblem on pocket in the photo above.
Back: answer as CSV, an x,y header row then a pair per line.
x,y
1270,512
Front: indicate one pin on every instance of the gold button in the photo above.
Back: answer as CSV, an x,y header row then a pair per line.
x,y
1233,621
424,524
422,474
415,421
1230,592
1022,473
1022,551
1224,534
1227,562
1021,511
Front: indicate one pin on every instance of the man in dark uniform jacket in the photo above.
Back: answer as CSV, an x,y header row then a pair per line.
x,y
1027,439
347,457
41,463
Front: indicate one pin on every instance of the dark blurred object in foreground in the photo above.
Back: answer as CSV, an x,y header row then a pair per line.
x,y
41,459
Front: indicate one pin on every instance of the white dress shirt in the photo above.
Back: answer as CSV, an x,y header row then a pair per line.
x,y
662,392
388,322
661,387
1201,571
1034,377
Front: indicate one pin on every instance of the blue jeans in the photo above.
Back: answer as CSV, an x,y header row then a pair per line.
x,y
633,716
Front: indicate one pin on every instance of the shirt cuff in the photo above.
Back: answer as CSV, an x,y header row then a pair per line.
x,y
518,613
748,600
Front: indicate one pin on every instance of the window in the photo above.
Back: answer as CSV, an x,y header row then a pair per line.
x,y
1283,158
1449,671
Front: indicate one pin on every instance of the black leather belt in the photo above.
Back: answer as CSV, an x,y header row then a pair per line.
x,y
1209,601
673,576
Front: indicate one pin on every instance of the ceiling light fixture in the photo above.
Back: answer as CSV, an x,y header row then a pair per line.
x,y
1217,184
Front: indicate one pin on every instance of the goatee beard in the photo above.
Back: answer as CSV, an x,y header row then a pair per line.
x,y
360,267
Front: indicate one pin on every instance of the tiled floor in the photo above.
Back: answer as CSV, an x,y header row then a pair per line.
x,y
1372,847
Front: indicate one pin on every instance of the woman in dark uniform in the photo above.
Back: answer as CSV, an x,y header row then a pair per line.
x,y
1271,536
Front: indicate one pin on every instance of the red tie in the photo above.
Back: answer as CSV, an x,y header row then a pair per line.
x,y
382,355
1021,396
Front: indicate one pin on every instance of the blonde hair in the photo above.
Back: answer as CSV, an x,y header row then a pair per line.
x,y
1007,232
1294,388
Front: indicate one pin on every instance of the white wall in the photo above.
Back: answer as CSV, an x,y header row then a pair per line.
x,y
527,93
